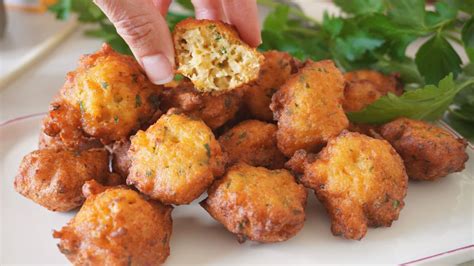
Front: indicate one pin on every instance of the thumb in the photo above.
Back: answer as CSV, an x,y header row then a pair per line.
x,y
146,32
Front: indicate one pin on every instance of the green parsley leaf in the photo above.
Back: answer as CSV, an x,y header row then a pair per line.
x,y
427,103
277,20
62,9
104,85
331,24
395,204
436,58
464,5
355,45
468,38
208,150
443,15
407,12
359,7
186,4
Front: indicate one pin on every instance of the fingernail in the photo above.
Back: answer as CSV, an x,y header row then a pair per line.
x,y
158,68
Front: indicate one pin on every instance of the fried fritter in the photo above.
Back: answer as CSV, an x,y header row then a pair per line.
x,y
54,178
107,97
47,142
214,110
366,129
361,182
364,87
253,142
258,204
276,69
359,94
175,160
429,152
308,108
63,124
383,83
211,54
117,226
120,160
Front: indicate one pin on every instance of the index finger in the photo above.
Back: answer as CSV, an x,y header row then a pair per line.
x,y
243,14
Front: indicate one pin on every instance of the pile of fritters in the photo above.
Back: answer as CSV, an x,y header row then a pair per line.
x,y
126,150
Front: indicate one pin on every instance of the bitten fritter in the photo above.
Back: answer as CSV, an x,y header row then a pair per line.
x,y
364,87
253,142
211,54
429,152
54,178
308,108
117,226
361,182
276,69
120,160
214,110
258,204
175,160
107,97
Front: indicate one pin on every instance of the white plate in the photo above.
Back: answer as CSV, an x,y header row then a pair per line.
x,y
437,222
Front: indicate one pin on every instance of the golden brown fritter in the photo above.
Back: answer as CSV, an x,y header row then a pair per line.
x,y
117,226
366,129
214,110
429,152
47,142
258,204
361,182
107,97
175,160
276,69
308,108
253,142
383,83
359,94
120,160
63,123
54,178
211,54
364,87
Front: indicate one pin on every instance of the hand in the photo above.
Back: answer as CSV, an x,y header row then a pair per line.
x,y
142,24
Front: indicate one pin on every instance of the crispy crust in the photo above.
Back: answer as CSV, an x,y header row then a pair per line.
x,y
254,143
120,160
117,226
361,181
364,87
308,108
429,152
212,55
48,142
107,97
214,110
258,204
175,160
276,69
54,178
